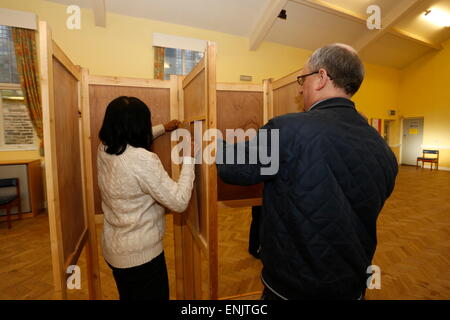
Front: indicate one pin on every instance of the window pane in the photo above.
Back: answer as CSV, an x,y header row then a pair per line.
x,y
8,67
180,61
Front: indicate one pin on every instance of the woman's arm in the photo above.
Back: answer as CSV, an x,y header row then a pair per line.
x,y
158,130
155,181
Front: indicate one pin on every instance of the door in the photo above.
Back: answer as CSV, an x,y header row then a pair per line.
x,y
412,140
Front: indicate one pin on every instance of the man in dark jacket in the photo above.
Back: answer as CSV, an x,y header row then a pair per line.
x,y
318,224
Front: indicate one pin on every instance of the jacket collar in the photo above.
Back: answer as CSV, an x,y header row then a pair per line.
x,y
333,103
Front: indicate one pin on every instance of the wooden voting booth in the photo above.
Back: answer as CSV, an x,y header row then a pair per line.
x,y
99,91
71,228
74,103
239,107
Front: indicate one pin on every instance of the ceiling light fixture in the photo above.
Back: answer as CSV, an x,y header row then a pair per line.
x,y
438,17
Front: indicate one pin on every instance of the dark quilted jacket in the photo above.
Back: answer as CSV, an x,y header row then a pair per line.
x,y
318,229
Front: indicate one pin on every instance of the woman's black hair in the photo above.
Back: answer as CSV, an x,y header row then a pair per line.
x,y
127,121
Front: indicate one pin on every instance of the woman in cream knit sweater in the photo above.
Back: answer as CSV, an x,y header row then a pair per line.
x,y
135,188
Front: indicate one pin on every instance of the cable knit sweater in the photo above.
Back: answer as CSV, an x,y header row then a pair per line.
x,y
135,188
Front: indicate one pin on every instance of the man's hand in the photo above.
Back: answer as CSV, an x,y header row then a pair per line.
x,y
172,125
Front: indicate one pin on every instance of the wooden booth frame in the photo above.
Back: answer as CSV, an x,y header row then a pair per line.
x,y
65,167
121,83
67,93
283,95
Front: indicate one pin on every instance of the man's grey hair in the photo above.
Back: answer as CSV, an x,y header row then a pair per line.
x,y
342,64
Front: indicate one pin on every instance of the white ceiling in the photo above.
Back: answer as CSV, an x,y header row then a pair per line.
x,y
307,26
235,17
312,29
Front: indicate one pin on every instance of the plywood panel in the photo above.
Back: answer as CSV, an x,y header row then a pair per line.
x,y
287,99
239,110
68,152
157,99
195,97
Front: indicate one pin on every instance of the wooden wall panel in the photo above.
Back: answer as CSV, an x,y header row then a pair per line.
x,y
68,152
195,97
287,99
157,99
244,110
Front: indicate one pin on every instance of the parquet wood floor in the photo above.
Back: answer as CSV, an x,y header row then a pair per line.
x,y
413,249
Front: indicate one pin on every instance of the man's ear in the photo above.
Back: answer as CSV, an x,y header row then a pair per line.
x,y
323,78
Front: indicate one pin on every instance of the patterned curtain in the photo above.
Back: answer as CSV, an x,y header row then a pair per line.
x,y
27,65
159,63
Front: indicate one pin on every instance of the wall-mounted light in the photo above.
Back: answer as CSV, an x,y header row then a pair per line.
x,y
437,17
166,65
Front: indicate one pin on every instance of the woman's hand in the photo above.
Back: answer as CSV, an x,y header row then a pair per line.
x,y
172,125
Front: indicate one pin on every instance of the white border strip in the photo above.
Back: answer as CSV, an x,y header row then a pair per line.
x,y
171,41
18,19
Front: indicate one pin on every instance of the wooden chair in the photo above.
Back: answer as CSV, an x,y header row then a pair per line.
x,y
431,160
8,202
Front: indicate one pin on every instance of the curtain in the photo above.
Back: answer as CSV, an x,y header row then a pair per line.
x,y
159,63
27,66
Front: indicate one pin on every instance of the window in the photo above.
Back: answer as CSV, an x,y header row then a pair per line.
x,y
180,61
175,55
16,129
8,67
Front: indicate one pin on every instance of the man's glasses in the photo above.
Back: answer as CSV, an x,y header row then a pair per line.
x,y
301,79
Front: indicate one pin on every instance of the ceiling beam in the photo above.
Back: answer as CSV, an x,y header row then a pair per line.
x,y
414,37
350,15
401,8
265,22
99,8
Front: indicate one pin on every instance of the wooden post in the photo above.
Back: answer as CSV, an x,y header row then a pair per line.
x,y
92,256
211,174
268,100
50,159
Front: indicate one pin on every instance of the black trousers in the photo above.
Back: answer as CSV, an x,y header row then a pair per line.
x,y
145,282
253,243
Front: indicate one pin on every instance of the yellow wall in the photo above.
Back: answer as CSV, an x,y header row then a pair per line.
x,y
425,92
377,95
19,155
124,48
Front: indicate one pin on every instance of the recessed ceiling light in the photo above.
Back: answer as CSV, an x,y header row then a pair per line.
x,y
438,17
